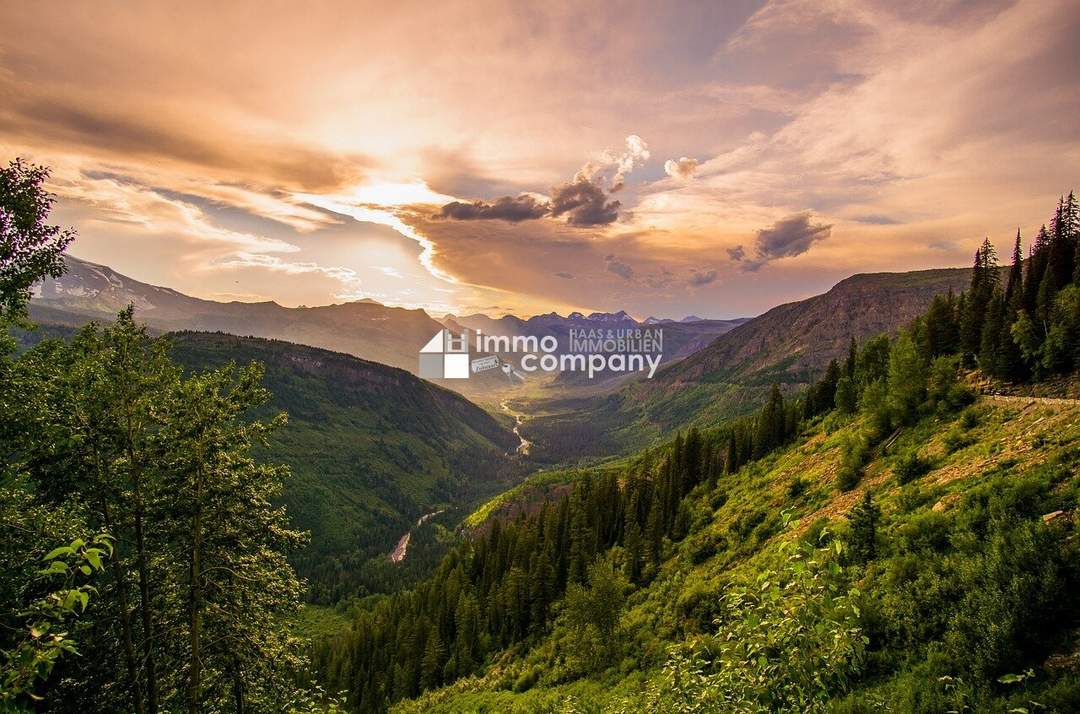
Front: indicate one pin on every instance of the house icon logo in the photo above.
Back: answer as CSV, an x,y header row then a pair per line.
x,y
445,356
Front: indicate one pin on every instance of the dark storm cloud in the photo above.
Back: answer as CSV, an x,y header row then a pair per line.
x,y
699,279
584,203
787,238
737,253
582,200
614,265
507,208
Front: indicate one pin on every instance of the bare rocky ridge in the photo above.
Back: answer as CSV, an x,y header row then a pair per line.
x,y
805,335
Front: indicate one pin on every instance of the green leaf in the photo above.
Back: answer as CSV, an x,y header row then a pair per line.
x,y
57,552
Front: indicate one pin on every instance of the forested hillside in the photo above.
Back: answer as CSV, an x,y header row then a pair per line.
x,y
888,540
145,564
370,449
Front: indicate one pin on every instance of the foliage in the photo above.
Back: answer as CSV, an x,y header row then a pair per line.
x,y
44,641
29,248
910,466
194,608
786,641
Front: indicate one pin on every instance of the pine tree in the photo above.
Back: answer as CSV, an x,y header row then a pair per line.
x,y
633,547
864,519
940,333
1060,262
770,427
1015,283
1036,267
989,344
654,534
431,666
984,279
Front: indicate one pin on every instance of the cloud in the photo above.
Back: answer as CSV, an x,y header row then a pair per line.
x,y
584,203
737,253
564,275
877,219
614,265
583,199
698,279
636,154
506,208
683,168
660,280
787,238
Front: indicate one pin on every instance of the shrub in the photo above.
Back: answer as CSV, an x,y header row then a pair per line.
x,y
854,455
910,466
797,487
969,419
955,439
786,641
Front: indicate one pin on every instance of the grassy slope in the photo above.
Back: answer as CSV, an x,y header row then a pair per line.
x,y
737,529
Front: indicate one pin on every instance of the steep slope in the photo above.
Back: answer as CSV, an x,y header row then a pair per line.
x,y
372,448
967,580
365,328
801,337
790,344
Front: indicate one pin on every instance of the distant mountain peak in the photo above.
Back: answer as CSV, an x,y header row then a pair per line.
x,y
619,316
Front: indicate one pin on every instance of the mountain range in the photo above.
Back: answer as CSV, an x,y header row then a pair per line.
x,y
364,328
791,344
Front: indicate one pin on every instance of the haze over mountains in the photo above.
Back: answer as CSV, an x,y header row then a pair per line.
x,y
364,328
790,344
715,367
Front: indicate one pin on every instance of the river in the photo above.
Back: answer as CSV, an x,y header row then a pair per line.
x,y
402,546
519,419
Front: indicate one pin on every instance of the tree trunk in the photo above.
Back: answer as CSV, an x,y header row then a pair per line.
x,y
125,621
195,675
144,578
238,686
147,619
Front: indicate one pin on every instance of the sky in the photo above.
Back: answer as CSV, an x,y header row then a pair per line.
x,y
700,158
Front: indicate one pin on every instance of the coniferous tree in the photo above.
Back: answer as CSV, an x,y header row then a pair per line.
x,y
1036,267
984,278
993,329
1015,283
864,519
770,428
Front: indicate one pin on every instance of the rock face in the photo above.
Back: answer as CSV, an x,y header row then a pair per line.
x,y
791,345
804,336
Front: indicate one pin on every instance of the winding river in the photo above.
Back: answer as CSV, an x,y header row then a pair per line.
x,y
519,419
402,546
